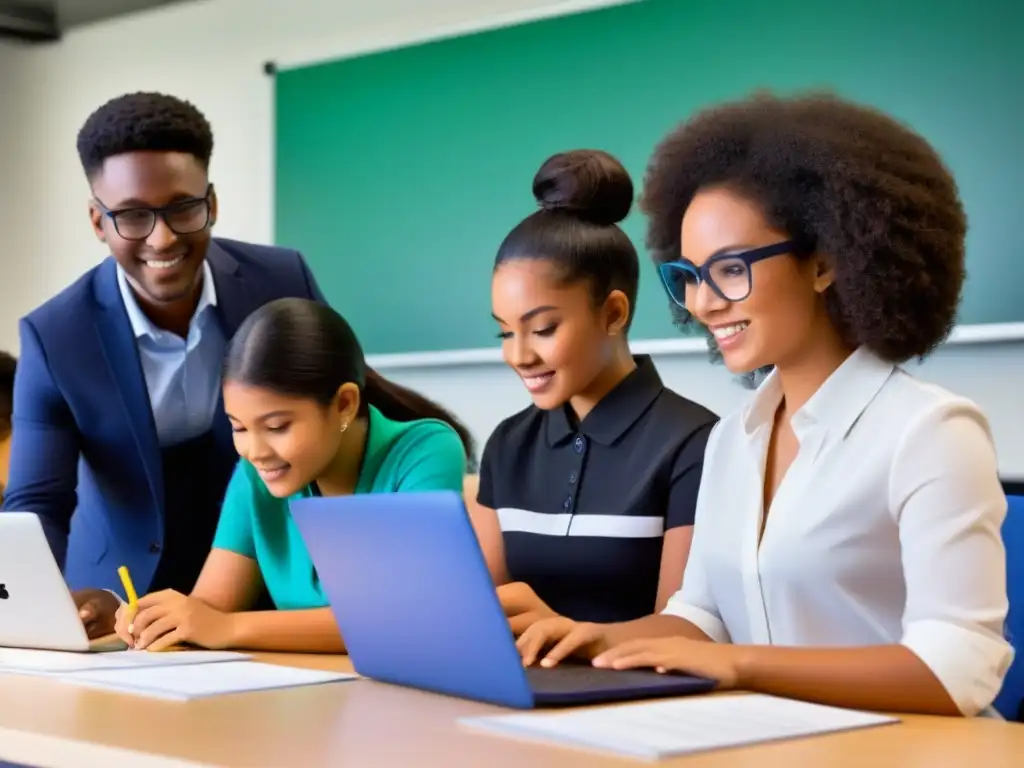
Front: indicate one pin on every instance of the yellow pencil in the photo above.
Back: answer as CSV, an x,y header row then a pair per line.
x,y
133,598
129,588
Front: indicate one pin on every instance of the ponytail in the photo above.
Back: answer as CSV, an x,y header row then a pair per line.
x,y
399,403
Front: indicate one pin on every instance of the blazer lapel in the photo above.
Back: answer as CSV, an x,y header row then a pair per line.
x,y
233,300
122,356
234,303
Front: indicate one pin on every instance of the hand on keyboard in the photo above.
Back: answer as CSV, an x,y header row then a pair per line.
x,y
564,638
522,606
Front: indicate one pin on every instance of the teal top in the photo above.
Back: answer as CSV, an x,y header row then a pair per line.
x,y
424,455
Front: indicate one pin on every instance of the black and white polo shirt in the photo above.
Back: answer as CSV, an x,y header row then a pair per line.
x,y
583,507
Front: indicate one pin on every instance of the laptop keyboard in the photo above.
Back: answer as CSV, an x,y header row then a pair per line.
x,y
584,677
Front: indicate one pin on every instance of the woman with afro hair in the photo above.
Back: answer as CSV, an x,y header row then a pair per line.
x,y
847,541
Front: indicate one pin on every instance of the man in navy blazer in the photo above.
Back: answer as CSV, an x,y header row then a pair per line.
x,y
121,445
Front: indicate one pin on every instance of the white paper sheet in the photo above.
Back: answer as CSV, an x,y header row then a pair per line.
x,y
196,681
27,749
27,661
669,728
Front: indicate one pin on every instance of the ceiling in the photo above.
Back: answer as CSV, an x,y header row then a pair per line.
x,y
45,19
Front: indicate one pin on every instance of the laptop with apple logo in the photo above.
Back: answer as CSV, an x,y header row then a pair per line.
x,y
36,608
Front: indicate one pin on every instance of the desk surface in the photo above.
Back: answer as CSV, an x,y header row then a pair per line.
x,y
362,723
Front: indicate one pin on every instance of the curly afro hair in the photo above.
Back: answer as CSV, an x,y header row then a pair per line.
x,y
844,179
138,122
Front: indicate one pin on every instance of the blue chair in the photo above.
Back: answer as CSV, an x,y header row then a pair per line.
x,y
1010,701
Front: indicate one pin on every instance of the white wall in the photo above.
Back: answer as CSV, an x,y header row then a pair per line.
x,y
14,175
211,52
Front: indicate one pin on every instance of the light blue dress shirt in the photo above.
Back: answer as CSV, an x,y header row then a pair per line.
x,y
183,376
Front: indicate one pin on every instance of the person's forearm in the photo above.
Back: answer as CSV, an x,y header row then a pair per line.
x,y
656,625
309,631
880,678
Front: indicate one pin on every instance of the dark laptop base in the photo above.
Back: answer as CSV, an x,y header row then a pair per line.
x,y
427,615
573,684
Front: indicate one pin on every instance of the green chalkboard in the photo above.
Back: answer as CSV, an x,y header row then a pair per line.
x,y
399,172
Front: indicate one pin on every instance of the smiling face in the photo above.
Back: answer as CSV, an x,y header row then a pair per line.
x,y
165,266
551,333
291,441
784,308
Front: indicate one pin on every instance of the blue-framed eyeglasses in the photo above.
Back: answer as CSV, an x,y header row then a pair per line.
x,y
184,217
727,274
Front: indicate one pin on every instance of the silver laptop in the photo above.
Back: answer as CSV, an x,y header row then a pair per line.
x,y
36,608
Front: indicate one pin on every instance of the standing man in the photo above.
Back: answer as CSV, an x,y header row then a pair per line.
x,y
121,445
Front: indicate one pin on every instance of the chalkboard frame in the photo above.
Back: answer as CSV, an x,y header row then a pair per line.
x,y
964,334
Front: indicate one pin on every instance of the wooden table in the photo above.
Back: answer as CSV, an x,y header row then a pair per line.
x,y
371,725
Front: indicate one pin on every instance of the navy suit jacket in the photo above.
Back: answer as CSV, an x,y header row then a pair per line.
x,y
85,456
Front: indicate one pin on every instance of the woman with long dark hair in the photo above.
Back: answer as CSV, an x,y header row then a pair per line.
x,y
310,418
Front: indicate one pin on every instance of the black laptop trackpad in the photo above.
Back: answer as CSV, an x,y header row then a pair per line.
x,y
577,684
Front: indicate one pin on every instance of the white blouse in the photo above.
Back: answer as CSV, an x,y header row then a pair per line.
x,y
885,529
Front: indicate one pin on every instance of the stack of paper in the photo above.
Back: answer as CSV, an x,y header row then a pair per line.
x,y
180,675
680,726
192,681
25,661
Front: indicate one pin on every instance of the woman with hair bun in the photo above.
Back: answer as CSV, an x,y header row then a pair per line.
x,y
586,498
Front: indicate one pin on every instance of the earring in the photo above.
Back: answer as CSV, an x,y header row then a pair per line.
x,y
344,426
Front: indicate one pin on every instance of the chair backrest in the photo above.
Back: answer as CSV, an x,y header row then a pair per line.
x,y
1010,701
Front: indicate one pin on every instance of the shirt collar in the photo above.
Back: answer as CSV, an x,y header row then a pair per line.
x,y
616,412
836,405
142,325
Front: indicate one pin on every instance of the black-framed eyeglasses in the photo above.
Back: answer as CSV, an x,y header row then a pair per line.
x,y
183,217
727,274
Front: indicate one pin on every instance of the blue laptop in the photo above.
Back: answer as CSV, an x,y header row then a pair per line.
x,y
413,598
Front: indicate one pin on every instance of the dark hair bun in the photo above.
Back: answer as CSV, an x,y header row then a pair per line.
x,y
587,183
